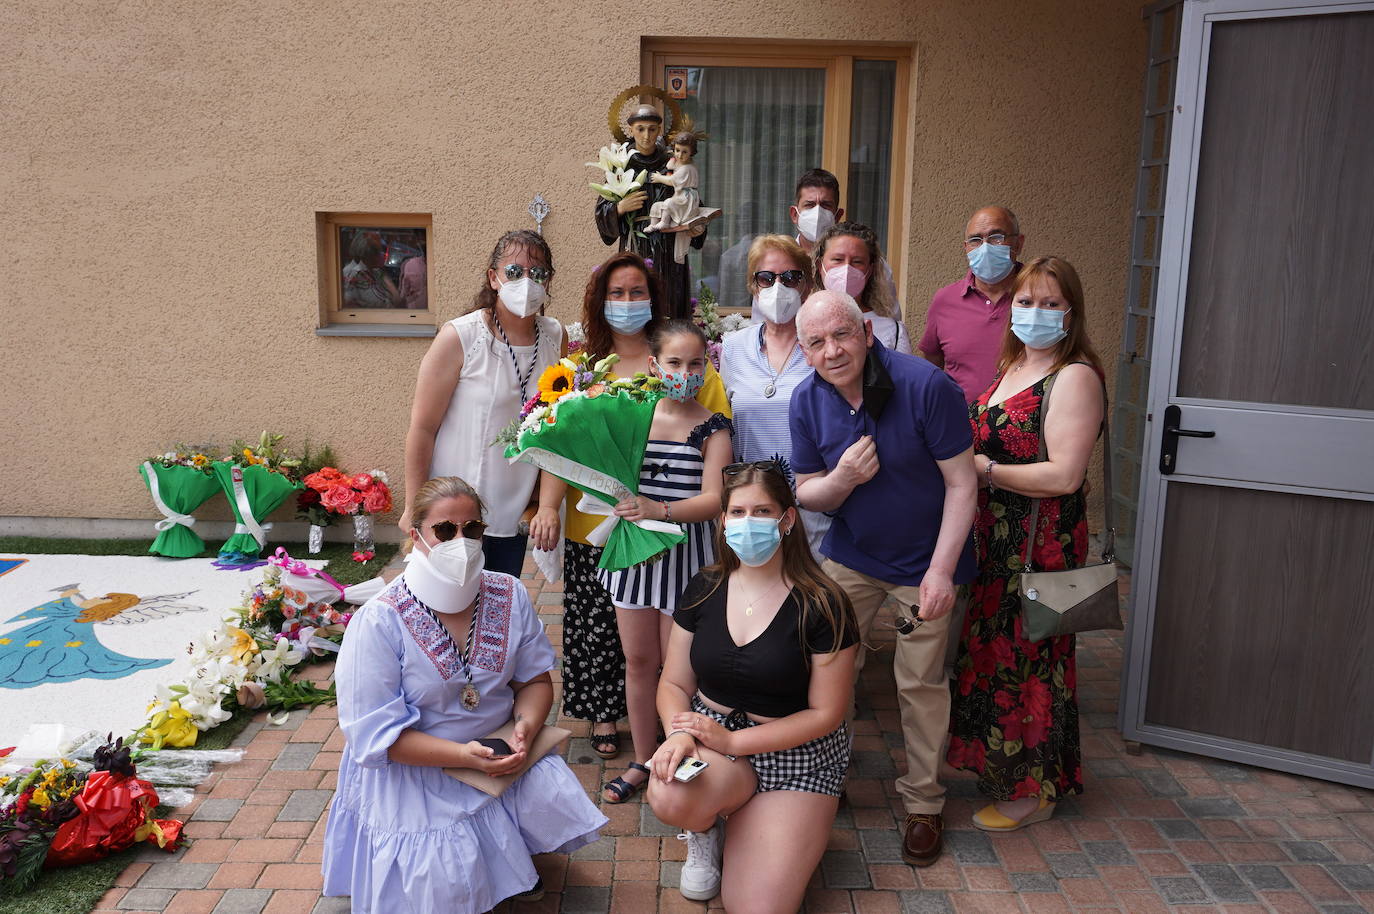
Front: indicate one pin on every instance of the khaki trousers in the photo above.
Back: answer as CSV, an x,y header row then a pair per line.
x,y
922,687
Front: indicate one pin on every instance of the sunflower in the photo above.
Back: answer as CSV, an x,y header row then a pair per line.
x,y
556,381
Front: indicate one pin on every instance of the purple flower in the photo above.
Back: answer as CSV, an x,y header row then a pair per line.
x,y
649,261
583,379
694,303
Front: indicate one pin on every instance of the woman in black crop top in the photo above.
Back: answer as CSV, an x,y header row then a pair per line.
x,y
757,681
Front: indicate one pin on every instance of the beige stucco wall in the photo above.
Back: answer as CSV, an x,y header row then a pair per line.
x,y
162,164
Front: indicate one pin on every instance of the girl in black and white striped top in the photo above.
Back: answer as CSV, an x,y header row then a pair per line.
x,y
680,482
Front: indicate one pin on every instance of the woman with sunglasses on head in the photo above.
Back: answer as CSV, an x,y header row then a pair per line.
x,y
443,657
762,364
849,260
479,371
757,682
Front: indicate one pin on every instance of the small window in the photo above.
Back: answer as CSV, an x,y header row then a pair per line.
x,y
374,269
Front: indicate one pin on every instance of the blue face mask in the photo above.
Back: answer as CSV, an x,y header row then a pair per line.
x,y
753,539
1038,328
990,262
628,316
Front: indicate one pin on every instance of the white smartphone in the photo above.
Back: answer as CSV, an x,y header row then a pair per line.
x,y
688,769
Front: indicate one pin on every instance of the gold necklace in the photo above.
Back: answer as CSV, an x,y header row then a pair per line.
x,y
749,603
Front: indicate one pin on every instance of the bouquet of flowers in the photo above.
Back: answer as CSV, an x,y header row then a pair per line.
x,y
308,505
591,433
179,481
60,814
577,337
619,184
716,325
360,496
256,480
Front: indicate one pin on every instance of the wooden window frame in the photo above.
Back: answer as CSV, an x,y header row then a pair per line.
x,y
838,62
331,262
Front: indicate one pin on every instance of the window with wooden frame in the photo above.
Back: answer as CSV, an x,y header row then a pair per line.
x,y
374,273
774,110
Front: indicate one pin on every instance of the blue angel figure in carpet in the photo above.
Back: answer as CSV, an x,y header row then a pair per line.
x,y
60,644
644,126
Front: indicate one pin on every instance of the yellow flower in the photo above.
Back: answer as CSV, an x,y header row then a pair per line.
x,y
248,454
40,798
556,381
244,647
170,726
200,460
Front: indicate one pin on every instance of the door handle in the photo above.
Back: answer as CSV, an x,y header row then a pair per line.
x,y
1168,452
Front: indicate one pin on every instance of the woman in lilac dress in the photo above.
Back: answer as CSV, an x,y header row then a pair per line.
x,y
443,657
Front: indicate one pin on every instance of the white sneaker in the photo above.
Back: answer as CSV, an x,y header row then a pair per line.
x,y
700,879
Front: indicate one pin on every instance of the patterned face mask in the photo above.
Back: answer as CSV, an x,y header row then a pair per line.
x,y
681,385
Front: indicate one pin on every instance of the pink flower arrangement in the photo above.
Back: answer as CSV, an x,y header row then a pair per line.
x,y
362,493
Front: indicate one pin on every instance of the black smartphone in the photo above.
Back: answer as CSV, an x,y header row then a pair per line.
x,y
499,746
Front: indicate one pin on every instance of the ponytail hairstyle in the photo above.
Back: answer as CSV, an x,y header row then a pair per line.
x,y
819,595
520,239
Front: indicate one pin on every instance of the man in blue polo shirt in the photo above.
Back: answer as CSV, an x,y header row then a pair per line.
x,y
882,441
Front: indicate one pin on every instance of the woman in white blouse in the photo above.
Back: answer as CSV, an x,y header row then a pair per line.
x,y
481,368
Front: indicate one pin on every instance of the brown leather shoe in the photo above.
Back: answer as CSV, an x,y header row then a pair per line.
x,y
923,841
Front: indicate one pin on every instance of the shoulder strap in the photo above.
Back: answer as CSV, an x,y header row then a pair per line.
x,y
1109,542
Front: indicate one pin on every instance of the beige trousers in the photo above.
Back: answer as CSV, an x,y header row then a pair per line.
x,y
918,666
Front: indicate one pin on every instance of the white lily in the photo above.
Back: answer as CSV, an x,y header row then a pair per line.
x,y
605,364
619,184
612,158
211,644
568,364
275,660
205,715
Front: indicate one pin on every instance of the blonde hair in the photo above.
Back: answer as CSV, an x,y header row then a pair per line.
x,y
784,245
1075,347
434,491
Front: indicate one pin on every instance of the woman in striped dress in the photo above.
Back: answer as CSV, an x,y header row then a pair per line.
x,y
680,482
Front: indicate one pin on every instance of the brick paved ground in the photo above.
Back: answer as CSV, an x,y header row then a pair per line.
x,y
1154,832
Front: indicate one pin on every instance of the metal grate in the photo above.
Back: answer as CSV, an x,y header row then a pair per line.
x,y
1133,363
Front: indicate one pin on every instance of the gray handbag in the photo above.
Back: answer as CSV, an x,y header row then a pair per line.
x,y
1077,599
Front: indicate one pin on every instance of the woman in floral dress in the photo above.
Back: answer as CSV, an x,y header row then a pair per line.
x,y
1014,719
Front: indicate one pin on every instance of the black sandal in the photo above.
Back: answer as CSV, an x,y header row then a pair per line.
x,y
606,745
623,789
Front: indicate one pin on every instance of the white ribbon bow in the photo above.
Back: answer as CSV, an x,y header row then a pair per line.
x,y
170,518
590,504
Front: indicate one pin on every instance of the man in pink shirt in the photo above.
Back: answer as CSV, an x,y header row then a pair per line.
x,y
968,319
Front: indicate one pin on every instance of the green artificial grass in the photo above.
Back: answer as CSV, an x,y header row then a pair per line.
x,y
339,556
70,890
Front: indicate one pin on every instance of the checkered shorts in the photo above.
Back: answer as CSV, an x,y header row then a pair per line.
x,y
818,766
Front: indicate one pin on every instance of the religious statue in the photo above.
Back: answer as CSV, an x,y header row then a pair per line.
x,y
666,245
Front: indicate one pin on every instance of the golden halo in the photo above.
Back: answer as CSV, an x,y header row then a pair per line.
x,y
615,118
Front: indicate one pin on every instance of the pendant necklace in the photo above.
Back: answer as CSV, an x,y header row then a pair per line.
x,y
470,697
749,604
522,378
771,387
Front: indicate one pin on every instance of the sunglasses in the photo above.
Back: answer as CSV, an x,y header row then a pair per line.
x,y
514,271
790,278
766,466
446,530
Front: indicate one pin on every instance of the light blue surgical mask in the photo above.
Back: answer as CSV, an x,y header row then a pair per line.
x,y
990,262
628,316
753,539
1038,328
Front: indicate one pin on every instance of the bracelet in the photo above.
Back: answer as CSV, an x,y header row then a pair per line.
x,y
670,735
988,473
667,511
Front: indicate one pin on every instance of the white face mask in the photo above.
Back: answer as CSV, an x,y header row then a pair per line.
x,y
522,297
448,576
777,303
814,221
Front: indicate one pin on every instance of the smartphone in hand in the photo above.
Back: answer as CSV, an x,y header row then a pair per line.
x,y
689,768
498,746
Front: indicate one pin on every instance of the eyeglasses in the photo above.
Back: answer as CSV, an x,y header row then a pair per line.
x,y
972,241
905,625
540,275
790,278
766,466
446,530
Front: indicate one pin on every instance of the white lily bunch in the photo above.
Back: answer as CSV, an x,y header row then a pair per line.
x,y
733,322
618,182
576,332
